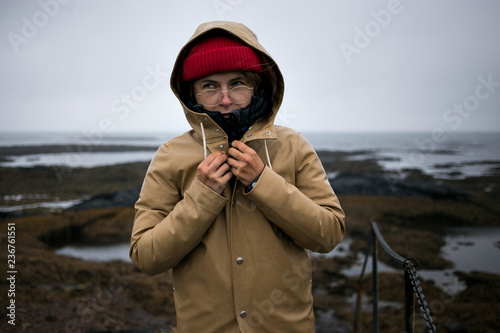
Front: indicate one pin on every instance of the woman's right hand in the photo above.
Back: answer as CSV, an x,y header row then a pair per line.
x,y
214,172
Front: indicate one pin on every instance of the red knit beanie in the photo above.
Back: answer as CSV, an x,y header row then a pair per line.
x,y
217,53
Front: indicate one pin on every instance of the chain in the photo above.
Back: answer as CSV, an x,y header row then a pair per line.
x,y
426,313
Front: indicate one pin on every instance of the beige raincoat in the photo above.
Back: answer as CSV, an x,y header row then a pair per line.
x,y
240,261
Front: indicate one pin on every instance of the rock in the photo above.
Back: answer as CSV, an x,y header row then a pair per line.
x,y
377,184
456,328
125,198
350,183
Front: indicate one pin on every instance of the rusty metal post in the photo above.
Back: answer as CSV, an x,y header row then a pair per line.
x,y
357,315
357,325
375,283
410,302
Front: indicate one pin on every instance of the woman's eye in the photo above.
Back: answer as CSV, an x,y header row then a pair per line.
x,y
208,86
238,83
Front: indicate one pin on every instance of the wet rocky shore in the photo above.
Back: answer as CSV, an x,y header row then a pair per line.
x,y
54,293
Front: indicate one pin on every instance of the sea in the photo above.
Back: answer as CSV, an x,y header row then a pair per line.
x,y
442,155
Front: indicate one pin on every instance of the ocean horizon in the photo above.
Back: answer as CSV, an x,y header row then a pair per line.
x,y
461,154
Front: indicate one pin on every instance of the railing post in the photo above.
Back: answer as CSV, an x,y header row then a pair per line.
x,y
357,316
375,283
412,289
409,305
359,301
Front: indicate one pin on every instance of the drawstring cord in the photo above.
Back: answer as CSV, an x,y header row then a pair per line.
x,y
204,140
205,146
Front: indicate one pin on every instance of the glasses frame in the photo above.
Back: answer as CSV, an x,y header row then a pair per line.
x,y
221,94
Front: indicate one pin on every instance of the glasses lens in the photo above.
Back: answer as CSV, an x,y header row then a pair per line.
x,y
213,97
210,97
240,95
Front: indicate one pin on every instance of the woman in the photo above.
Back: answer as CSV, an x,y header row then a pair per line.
x,y
234,205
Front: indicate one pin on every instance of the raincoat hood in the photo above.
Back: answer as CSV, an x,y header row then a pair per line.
x,y
204,126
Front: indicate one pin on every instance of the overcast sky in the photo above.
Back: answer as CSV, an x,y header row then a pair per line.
x,y
349,65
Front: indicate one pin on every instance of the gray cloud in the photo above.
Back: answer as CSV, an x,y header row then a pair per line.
x,y
348,65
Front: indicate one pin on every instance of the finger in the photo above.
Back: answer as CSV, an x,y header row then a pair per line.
x,y
222,170
209,159
237,144
244,177
235,153
244,151
238,162
223,174
210,165
241,147
215,160
225,179
242,156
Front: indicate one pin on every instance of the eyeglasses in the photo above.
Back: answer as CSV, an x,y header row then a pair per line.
x,y
237,95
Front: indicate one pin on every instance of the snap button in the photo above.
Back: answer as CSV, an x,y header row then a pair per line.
x,y
221,146
249,136
268,133
225,138
206,118
239,261
243,314
233,203
217,130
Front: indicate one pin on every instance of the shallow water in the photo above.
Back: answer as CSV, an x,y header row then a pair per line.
x,y
473,249
78,160
468,248
100,253
51,205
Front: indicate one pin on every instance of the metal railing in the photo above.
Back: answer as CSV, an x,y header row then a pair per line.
x,y
413,291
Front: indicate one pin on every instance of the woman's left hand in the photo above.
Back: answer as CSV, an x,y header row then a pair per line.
x,y
245,164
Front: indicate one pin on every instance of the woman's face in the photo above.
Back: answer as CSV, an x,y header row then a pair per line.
x,y
223,82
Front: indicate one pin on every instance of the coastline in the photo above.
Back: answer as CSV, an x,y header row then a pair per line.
x,y
58,293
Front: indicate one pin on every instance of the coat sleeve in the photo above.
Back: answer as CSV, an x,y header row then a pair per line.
x,y
307,211
169,225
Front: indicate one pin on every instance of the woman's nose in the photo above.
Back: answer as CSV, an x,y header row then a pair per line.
x,y
225,100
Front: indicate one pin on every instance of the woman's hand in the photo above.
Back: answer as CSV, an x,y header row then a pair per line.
x,y
245,164
214,172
